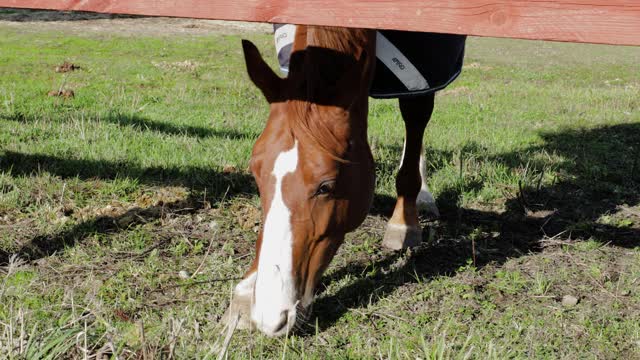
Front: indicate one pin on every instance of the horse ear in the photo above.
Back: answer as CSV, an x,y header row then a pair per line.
x,y
261,74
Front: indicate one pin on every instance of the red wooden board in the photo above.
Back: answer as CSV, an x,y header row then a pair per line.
x,y
596,21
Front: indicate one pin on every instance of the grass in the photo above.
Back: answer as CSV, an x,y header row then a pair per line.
x,y
132,214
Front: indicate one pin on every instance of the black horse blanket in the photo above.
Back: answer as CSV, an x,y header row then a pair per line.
x,y
409,63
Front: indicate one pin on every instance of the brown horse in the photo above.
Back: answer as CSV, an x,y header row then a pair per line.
x,y
315,171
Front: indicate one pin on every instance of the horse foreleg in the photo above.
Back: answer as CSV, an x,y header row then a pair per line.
x,y
403,229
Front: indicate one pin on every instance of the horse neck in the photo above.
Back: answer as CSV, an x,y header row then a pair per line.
x,y
327,47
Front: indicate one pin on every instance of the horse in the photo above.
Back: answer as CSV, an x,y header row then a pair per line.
x,y
315,172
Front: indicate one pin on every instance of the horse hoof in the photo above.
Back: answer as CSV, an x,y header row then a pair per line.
x,y
402,236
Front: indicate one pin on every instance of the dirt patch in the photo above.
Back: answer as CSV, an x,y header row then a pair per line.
x,y
454,91
79,23
67,94
187,65
66,67
475,65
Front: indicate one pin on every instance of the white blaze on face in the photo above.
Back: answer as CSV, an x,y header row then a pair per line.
x,y
274,305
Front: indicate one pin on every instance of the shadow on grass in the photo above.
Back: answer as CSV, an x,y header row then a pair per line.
x,y
203,181
145,124
603,166
27,15
48,244
216,183
141,123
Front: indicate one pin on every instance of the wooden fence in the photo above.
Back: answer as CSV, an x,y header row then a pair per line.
x,y
595,21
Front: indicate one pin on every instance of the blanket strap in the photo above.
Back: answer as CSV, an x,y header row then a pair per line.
x,y
399,65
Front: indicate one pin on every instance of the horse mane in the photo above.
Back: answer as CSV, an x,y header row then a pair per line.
x,y
321,95
344,40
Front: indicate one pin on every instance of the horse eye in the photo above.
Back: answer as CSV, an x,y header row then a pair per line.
x,y
325,188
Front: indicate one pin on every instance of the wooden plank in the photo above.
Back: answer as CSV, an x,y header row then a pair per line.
x,y
595,21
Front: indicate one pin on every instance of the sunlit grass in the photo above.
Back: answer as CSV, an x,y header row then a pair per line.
x,y
109,198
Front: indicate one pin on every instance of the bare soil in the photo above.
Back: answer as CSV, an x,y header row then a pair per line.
x,y
79,23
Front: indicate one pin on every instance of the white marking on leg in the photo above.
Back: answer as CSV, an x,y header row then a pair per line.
x,y
404,150
425,200
399,227
274,288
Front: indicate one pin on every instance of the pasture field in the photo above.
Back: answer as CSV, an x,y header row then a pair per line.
x,y
127,212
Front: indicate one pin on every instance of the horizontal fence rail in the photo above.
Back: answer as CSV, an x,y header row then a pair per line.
x,y
594,21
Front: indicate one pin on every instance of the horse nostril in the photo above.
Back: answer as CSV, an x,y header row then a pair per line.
x,y
284,317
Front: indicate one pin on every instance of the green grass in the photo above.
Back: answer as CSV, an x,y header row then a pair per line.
x,y
533,155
